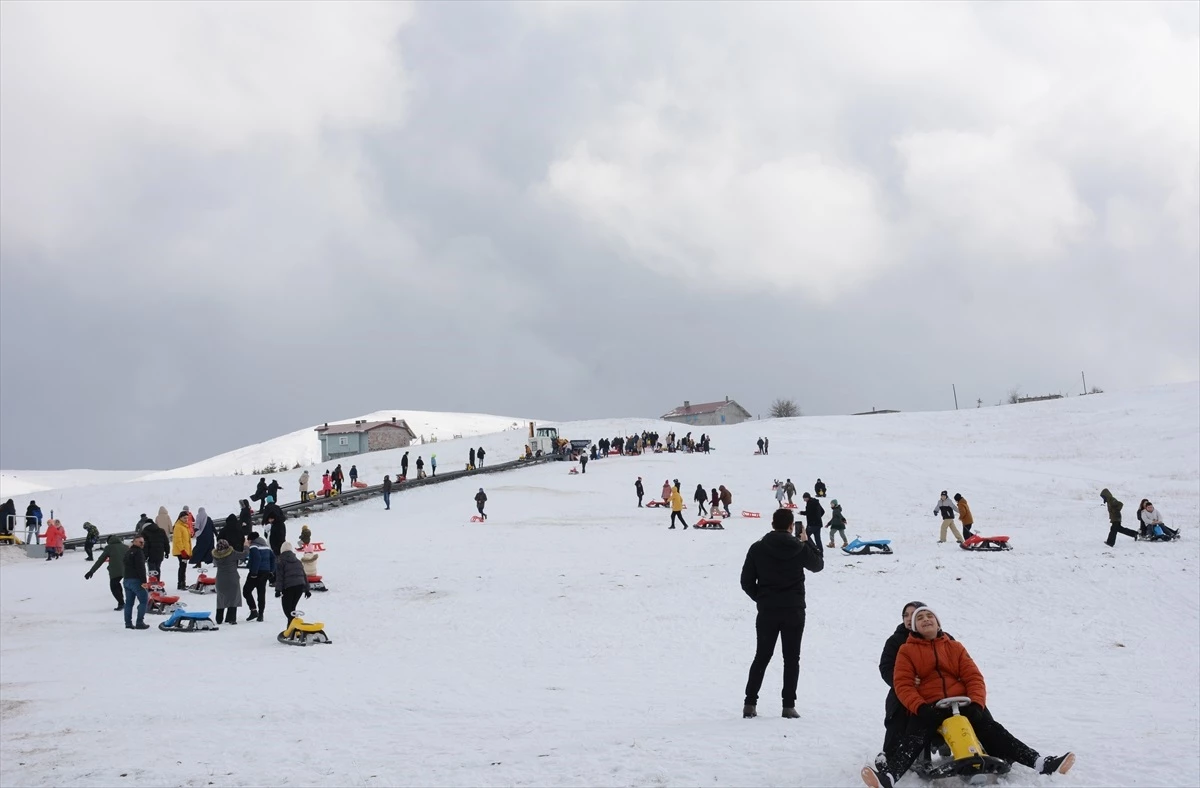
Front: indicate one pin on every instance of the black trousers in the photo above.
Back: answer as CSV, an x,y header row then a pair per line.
x,y
155,566
87,547
786,625
291,598
182,571
1116,528
255,583
895,722
992,735
227,614
966,530
640,500
700,508
115,585
680,516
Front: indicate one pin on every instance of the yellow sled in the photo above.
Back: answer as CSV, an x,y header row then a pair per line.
x,y
301,632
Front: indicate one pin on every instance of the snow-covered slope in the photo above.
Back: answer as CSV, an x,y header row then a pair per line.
x,y
574,640
304,448
28,482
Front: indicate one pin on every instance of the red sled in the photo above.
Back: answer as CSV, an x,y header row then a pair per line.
x,y
313,547
573,470
611,452
982,543
751,514
359,485
710,524
655,504
790,506
475,518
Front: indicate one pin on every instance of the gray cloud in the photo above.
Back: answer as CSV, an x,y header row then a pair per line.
x,y
579,210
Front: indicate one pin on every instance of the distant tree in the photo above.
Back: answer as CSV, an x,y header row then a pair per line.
x,y
1014,395
785,409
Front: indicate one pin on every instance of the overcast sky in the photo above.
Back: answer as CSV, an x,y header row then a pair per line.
x,y
221,222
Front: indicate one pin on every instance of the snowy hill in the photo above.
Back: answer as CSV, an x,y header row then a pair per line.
x,y
304,448
28,482
574,640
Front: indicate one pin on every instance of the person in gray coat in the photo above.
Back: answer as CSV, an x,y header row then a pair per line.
x,y
290,580
229,587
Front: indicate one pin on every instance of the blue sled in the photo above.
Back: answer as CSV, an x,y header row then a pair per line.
x,y
868,547
188,621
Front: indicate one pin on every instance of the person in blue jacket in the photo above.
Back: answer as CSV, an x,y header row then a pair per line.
x,y
260,567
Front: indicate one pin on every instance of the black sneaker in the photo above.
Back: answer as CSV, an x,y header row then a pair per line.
x,y
141,625
876,778
749,710
129,626
1060,764
119,607
790,713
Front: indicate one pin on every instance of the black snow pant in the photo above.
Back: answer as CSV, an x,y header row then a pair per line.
x,y
154,566
115,585
680,516
182,572
895,722
966,530
814,532
700,510
87,547
997,741
255,583
640,500
1114,529
479,506
787,625
227,614
291,598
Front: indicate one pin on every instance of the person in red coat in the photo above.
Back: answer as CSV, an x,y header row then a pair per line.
x,y
931,666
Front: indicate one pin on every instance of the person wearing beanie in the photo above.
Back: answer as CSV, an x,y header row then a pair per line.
x,y
290,580
964,515
274,521
895,716
480,500
229,587
837,523
640,490
773,576
931,666
946,508
260,567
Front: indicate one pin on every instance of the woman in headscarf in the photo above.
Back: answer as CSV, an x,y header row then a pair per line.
x,y
206,538
181,541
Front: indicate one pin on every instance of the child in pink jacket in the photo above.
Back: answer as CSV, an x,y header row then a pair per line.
x,y
56,535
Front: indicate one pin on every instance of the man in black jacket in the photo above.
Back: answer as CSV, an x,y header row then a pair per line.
x,y
134,582
274,519
156,546
813,512
773,576
637,486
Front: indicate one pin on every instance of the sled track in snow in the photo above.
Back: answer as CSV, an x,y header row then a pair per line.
x,y
348,497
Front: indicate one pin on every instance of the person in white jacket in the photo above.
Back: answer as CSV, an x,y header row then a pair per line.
x,y
948,510
1151,519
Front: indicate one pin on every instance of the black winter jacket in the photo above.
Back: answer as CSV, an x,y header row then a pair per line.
x,y
157,544
232,532
135,564
289,572
773,574
813,512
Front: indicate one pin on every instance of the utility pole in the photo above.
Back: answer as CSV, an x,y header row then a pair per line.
x,y
1084,382
955,390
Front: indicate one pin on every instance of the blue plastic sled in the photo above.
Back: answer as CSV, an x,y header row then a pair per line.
x,y
188,621
868,547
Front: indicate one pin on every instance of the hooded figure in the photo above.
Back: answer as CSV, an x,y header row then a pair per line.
x,y
232,532
275,519
480,500
246,517
8,514
1114,518
157,540
205,540
229,587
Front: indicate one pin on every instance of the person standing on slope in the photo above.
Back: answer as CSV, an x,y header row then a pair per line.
x,y
480,500
275,519
760,446
837,523
946,508
471,459
387,492
304,485
701,498
1114,518
479,456
726,499
813,512
353,474
260,567
964,515
433,464
229,584
666,491
766,445
404,466
930,667
157,536
420,467
93,536
677,508
339,478
773,576
114,553
8,517
181,547
641,491
206,539
135,584
789,489
260,492
583,461
779,493
273,489
290,581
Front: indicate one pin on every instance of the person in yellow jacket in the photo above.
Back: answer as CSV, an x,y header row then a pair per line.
x,y
181,547
677,507
964,515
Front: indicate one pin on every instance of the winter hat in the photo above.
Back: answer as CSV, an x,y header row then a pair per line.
x,y
222,544
480,489
186,509
834,503
286,547
913,628
269,499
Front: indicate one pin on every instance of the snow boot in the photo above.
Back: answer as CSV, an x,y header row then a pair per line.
x,y
876,779
790,713
749,711
141,625
1057,763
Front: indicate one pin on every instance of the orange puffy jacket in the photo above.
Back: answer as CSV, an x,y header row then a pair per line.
x,y
944,668
964,512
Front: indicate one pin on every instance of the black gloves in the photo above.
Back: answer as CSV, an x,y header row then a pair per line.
x,y
928,714
278,593
307,594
